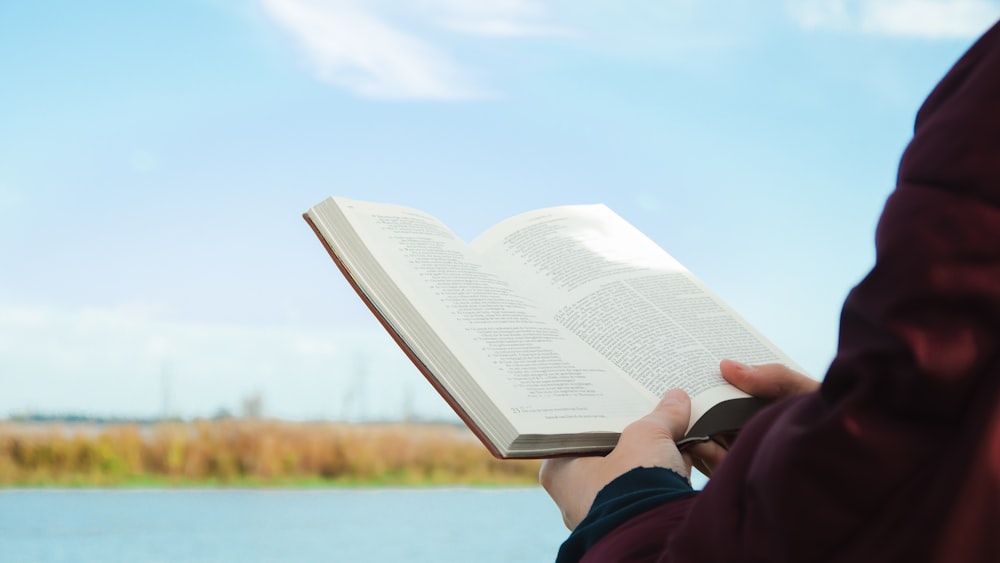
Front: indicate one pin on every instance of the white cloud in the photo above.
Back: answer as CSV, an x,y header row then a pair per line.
x,y
373,48
494,18
354,49
930,19
813,14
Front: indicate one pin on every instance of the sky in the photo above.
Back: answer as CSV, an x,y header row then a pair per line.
x,y
156,158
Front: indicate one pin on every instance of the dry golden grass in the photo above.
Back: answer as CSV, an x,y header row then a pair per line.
x,y
248,452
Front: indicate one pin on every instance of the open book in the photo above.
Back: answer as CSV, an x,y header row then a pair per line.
x,y
552,330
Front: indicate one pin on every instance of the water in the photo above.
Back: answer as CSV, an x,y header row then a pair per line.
x,y
227,525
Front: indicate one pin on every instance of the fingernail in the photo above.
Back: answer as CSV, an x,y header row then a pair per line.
x,y
740,366
673,397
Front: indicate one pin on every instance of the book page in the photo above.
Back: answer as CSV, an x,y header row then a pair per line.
x,y
466,321
627,299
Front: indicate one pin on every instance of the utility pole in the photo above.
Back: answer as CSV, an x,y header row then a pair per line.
x,y
354,406
165,398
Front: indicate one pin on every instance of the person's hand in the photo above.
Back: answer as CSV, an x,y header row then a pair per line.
x,y
766,381
573,483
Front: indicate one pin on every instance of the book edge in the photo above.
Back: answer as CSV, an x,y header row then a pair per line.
x,y
494,449
723,420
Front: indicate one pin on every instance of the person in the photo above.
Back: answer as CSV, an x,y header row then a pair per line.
x,y
896,455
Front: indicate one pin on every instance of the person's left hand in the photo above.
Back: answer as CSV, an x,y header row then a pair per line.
x,y
573,483
767,381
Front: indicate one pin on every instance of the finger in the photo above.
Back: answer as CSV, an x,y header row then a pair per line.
x,y
570,483
707,456
688,464
552,477
548,473
671,416
558,475
702,467
767,381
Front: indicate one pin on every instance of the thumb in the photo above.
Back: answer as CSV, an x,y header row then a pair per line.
x,y
675,410
650,441
647,442
670,418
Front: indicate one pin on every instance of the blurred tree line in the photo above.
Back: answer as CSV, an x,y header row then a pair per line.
x,y
241,452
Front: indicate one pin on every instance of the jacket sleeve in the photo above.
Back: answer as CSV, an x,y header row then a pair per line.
x,y
619,506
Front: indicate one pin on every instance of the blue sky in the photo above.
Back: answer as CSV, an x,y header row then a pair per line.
x,y
157,157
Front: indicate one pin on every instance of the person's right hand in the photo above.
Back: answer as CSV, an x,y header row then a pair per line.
x,y
766,381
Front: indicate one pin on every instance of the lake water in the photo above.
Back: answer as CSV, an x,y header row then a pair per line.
x,y
237,525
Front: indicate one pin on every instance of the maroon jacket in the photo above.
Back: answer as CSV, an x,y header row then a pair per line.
x,y
897,456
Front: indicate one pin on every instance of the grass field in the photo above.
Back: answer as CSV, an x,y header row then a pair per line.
x,y
265,453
